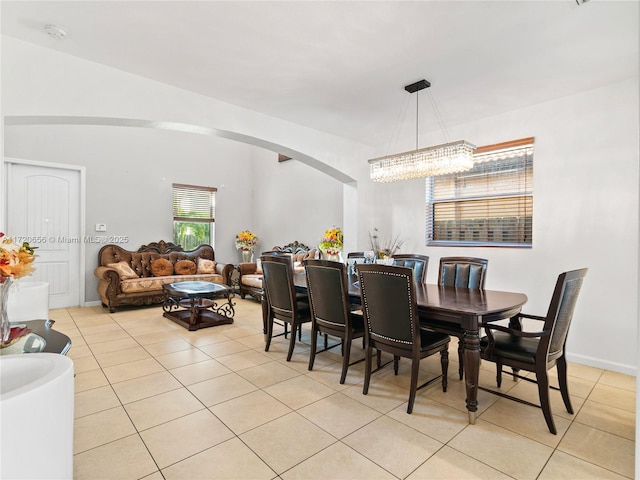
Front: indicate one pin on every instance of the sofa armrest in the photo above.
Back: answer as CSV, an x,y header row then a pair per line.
x,y
108,286
108,274
248,268
226,270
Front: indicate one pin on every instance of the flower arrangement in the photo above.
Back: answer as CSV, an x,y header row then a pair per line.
x,y
16,261
386,249
246,240
331,242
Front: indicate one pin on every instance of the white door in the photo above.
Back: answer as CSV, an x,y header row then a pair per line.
x,y
44,208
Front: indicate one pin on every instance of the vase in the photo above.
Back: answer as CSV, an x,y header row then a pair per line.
x,y
333,256
5,327
247,256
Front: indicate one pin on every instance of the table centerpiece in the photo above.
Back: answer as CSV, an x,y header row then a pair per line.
x,y
331,244
246,242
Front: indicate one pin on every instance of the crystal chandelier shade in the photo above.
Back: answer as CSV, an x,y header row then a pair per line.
x,y
426,162
431,161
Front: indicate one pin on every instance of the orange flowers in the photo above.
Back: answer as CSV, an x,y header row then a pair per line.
x,y
15,260
246,240
332,241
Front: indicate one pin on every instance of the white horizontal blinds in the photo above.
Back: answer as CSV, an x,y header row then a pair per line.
x,y
192,203
491,204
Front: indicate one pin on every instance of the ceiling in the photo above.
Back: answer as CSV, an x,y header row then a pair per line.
x,y
340,66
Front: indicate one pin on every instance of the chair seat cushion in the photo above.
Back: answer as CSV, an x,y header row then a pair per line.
x,y
512,347
252,280
429,339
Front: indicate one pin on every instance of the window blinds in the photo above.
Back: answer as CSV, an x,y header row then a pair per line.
x,y
192,203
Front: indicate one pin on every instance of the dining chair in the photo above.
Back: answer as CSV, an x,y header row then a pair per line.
x,y
331,312
537,351
465,272
281,299
418,263
392,324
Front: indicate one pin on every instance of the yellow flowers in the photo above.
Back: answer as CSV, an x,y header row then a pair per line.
x,y
15,260
246,240
332,241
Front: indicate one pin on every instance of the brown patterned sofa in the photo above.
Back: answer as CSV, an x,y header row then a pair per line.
x,y
136,278
250,279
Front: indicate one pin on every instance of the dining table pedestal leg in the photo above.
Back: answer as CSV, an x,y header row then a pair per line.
x,y
471,352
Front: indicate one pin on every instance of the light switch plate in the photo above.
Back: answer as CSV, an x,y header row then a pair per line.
x,y
101,227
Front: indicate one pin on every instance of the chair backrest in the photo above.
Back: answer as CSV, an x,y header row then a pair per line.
x,y
560,313
355,255
418,263
278,284
467,272
328,292
389,305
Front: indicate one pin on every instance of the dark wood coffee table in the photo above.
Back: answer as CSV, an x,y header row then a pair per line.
x,y
197,305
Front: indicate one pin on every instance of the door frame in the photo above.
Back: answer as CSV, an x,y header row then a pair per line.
x,y
6,175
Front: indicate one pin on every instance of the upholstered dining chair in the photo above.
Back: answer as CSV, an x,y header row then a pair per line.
x,y
392,324
465,272
331,312
281,299
537,351
418,263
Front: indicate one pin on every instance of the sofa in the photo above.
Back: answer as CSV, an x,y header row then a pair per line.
x,y
250,274
137,277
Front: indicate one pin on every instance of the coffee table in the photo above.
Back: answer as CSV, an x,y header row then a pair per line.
x,y
42,338
196,305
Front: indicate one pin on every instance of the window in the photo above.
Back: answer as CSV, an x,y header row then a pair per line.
x,y
193,215
489,205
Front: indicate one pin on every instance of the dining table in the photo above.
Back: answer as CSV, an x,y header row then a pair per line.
x,y
464,307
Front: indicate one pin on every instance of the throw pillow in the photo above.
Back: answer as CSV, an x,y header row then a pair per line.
x,y
124,270
206,266
185,267
161,267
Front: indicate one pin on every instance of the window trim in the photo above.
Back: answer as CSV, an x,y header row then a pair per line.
x,y
485,150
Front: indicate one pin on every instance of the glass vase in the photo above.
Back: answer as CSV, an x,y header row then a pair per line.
x,y
247,256
334,256
5,327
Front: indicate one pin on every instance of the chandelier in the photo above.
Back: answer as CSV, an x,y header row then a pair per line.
x,y
431,161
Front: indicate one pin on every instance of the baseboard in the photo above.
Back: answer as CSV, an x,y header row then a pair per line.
x,y
97,303
606,365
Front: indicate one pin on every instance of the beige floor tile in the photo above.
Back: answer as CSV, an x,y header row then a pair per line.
x,y
337,462
330,375
127,371
268,374
109,336
395,447
94,400
122,356
199,372
584,371
450,464
566,467
185,436
253,341
526,420
339,414
85,364
433,419
182,358
484,440
529,391
608,418
619,380
78,351
229,460
208,336
222,349
88,380
248,411
144,387
220,389
169,346
154,337
615,397
98,327
152,411
299,391
124,459
382,396
287,441
456,393
114,346
604,449
242,360
154,476
100,428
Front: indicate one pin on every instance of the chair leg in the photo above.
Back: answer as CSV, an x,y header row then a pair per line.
x,y
378,358
460,358
543,391
396,362
292,340
367,370
499,374
346,353
444,362
269,333
415,366
561,365
312,351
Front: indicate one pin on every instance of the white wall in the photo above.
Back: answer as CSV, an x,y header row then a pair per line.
x,y
586,181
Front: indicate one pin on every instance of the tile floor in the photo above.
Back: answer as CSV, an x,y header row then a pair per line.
x,y
155,401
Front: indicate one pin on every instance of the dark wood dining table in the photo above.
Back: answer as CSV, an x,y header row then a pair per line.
x,y
463,307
